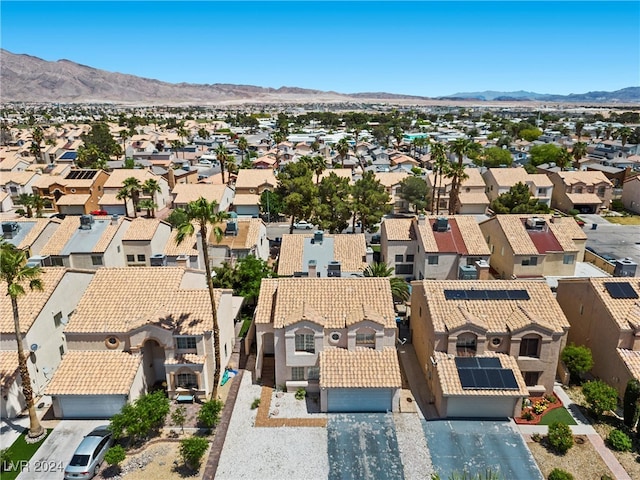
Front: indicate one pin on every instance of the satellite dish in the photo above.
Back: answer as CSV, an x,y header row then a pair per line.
x,y
34,347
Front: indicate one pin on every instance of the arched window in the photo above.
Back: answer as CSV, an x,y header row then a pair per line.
x,y
366,338
466,345
186,379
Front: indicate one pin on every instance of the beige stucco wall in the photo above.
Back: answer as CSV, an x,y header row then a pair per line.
x,y
554,265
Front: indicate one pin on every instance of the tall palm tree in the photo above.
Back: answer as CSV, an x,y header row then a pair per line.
x,y
243,146
439,157
133,186
579,126
150,206
124,134
37,135
183,134
151,187
15,273
342,147
37,202
564,159
26,200
623,134
204,213
222,155
399,288
579,150
461,147
456,173
123,194
316,164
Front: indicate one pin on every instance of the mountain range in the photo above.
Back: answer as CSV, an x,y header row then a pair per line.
x,y
26,78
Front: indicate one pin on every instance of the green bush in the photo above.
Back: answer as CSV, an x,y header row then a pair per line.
x,y
573,212
527,415
559,474
300,394
209,413
255,404
142,418
115,455
617,205
578,360
560,437
600,397
192,450
179,416
630,403
619,441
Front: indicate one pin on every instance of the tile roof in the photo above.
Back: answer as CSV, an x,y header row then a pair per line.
x,y
471,234
187,247
516,234
588,177
474,198
361,368
31,303
340,172
188,192
246,199
123,299
631,359
186,359
141,229
19,178
94,373
389,179
61,236
398,229
255,177
73,199
248,234
450,380
109,199
118,176
497,316
584,198
332,298
8,368
624,311
348,249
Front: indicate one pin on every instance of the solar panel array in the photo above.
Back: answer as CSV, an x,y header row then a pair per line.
x,y
484,374
81,174
620,290
473,294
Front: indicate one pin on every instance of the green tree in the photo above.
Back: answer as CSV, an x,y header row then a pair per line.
x,y
298,192
440,169
124,134
630,403
177,217
115,456
559,474
565,159
243,146
179,417
192,450
222,155
623,134
399,288
578,128
316,164
333,210
16,274
370,202
149,205
133,188
270,204
204,214
203,133
209,413
101,138
461,147
90,156
495,157
600,397
547,153
458,174
26,200
129,164
579,151
530,134
414,191
518,200
142,418
342,147
249,272
577,359
560,437
150,187
37,136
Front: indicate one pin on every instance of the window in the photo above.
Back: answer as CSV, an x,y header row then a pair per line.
x,y
142,258
305,343
186,380
399,258
533,261
297,373
531,378
313,373
61,349
529,347
118,248
578,190
542,192
568,259
466,345
96,259
404,269
409,258
57,319
57,262
601,191
366,340
432,260
131,258
186,343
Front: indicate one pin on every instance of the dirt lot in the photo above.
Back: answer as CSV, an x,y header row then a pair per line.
x,y
582,460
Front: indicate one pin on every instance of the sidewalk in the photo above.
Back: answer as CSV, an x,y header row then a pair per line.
x,y
417,382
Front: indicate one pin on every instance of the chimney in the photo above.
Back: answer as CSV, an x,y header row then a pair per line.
x,y
422,220
182,261
369,256
171,178
482,266
313,269
318,237
114,219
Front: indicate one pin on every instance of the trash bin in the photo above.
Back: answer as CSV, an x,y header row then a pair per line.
x,y
594,226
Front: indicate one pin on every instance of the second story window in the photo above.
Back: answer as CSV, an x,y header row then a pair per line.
x,y
466,345
305,343
432,260
530,347
96,260
186,343
366,340
568,259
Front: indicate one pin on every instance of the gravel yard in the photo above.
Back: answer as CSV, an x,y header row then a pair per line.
x,y
414,453
582,460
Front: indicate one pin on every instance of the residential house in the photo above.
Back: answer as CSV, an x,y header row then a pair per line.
x,y
631,194
17,183
335,336
500,180
604,315
13,164
43,315
188,254
137,328
30,234
87,242
529,246
434,247
76,192
144,241
473,199
587,192
323,255
250,184
6,202
391,182
115,182
242,237
186,193
510,333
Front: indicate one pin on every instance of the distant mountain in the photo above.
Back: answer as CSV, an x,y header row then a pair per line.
x,y
626,95
494,95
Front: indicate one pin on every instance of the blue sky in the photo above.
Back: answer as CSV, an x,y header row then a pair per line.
x,y
418,48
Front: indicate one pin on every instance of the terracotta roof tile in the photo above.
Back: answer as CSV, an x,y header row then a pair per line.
x,y
187,247
397,229
189,192
61,236
186,358
141,229
19,178
588,177
73,199
361,368
117,177
472,235
8,367
254,178
246,199
94,373
631,359
389,179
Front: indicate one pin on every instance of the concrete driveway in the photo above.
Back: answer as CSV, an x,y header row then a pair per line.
x,y
363,446
57,449
475,445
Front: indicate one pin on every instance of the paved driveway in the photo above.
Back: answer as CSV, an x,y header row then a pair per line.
x,y
57,449
363,446
475,445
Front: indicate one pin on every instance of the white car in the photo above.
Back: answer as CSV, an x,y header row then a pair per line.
x,y
204,161
303,225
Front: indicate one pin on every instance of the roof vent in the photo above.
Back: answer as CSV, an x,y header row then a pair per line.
x,y
158,260
10,228
318,236
85,222
232,228
441,224
333,269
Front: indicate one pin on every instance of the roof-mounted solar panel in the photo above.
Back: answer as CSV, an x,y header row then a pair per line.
x,y
620,290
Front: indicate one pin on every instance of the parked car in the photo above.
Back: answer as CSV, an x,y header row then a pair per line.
x,y
375,239
89,455
204,161
99,212
303,225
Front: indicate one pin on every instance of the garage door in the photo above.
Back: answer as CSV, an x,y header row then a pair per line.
x,y
91,406
492,407
359,400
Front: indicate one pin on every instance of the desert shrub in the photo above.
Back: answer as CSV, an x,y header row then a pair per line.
x,y
550,398
142,418
536,437
630,403
560,437
179,417
300,393
115,456
255,404
527,415
619,441
578,360
192,450
209,413
559,474
600,397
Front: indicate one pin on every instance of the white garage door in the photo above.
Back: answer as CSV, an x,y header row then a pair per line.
x,y
359,400
492,407
91,406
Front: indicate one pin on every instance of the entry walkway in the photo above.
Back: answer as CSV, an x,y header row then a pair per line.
x,y
415,377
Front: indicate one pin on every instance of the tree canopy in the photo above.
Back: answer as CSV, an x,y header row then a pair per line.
x,y
414,191
547,153
495,156
518,200
299,193
370,201
334,203
244,277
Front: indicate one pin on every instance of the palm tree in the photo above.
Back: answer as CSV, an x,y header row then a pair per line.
x,y
564,159
316,164
124,134
579,150
399,288
182,133
439,157
203,133
151,187
37,202
579,126
204,213
133,186
37,136
342,147
460,147
14,272
623,134
26,200
243,146
222,155
123,194
149,205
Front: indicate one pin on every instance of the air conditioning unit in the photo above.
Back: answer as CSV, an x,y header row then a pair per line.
x,y
535,223
158,260
231,229
10,227
39,261
467,272
441,224
334,269
86,221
